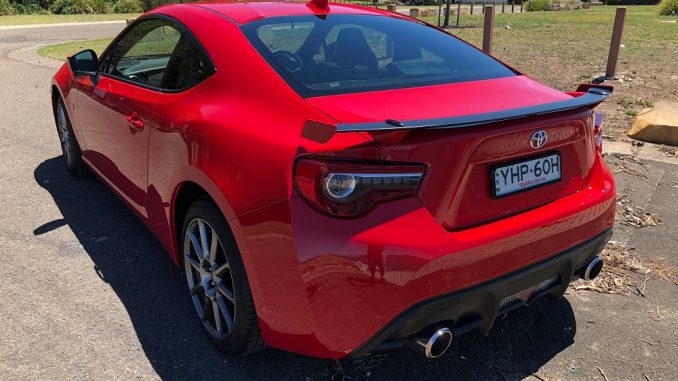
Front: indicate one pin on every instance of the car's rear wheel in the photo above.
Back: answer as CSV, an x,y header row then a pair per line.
x,y
217,281
69,145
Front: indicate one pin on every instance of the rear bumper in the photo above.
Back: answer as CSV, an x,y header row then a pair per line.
x,y
331,288
477,307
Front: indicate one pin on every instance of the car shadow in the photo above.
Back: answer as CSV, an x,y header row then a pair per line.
x,y
153,291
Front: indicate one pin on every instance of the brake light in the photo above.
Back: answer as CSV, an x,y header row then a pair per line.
x,y
348,188
598,132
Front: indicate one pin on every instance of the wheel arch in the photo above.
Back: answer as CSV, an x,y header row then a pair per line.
x,y
186,193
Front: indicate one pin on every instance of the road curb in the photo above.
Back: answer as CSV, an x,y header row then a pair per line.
x,y
647,151
29,54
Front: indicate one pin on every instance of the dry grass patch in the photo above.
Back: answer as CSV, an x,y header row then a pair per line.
x,y
625,274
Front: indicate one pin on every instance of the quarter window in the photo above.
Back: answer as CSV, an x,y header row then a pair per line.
x,y
187,66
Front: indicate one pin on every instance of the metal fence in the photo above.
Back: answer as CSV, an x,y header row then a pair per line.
x,y
446,12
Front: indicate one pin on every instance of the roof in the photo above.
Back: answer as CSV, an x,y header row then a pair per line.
x,y
244,12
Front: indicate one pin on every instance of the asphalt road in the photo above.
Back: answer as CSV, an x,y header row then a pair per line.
x,y
87,293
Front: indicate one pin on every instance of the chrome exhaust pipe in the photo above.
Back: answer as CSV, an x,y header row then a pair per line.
x,y
432,342
593,268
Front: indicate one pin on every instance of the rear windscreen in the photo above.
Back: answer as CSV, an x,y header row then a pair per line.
x,y
356,53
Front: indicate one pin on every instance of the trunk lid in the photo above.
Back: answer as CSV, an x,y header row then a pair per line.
x,y
457,188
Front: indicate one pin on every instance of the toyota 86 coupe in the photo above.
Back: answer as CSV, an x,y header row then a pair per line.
x,y
336,180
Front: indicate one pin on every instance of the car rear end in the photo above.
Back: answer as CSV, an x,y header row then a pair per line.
x,y
447,249
486,190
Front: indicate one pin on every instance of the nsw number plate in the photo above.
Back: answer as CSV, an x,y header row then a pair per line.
x,y
523,175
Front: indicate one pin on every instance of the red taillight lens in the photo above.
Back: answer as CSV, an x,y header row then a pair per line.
x,y
598,132
348,188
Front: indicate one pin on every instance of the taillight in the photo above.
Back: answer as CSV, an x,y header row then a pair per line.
x,y
348,188
598,132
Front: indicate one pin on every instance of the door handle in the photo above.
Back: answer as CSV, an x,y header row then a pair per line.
x,y
134,122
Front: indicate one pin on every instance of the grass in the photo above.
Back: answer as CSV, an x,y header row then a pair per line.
x,y
53,19
571,35
60,51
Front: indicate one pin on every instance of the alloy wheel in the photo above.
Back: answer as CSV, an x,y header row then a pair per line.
x,y
64,134
209,278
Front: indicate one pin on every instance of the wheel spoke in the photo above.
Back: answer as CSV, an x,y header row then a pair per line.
x,y
195,243
223,290
61,118
205,306
217,318
195,264
196,289
203,239
213,247
226,313
221,269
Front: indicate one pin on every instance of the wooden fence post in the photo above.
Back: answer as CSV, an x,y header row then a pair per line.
x,y
440,10
458,11
487,29
616,42
513,4
447,14
471,7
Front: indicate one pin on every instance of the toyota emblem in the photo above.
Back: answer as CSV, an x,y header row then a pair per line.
x,y
538,139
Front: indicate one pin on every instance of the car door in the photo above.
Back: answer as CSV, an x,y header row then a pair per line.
x,y
115,109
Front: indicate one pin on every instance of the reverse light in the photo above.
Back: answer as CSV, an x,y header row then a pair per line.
x,y
598,132
347,188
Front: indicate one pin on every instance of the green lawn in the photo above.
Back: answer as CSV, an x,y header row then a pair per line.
x,y
52,19
60,51
581,35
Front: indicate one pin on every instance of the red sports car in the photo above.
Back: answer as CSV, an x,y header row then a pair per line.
x,y
336,180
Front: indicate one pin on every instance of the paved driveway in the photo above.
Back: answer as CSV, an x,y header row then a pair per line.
x,y
87,293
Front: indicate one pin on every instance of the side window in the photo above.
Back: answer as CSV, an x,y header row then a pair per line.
x,y
143,53
187,67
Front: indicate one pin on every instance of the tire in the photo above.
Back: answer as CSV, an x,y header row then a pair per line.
x,y
218,280
69,144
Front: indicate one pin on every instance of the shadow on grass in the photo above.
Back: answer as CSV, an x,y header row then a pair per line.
x,y
153,291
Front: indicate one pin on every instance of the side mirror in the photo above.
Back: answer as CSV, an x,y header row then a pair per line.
x,y
83,63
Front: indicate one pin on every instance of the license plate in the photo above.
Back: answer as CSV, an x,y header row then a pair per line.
x,y
523,175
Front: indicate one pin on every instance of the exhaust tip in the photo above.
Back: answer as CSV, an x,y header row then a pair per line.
x,y
435,345
593,268
439,342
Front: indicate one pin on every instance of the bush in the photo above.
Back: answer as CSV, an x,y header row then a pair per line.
x,y
6,8
101,6
150,4
572,4
128,6
538,5
668,7
29,7
70,7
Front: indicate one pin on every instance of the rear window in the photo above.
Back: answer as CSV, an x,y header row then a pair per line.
x,y
357,53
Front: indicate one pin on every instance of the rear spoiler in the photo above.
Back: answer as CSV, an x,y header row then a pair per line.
x,y
587,95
